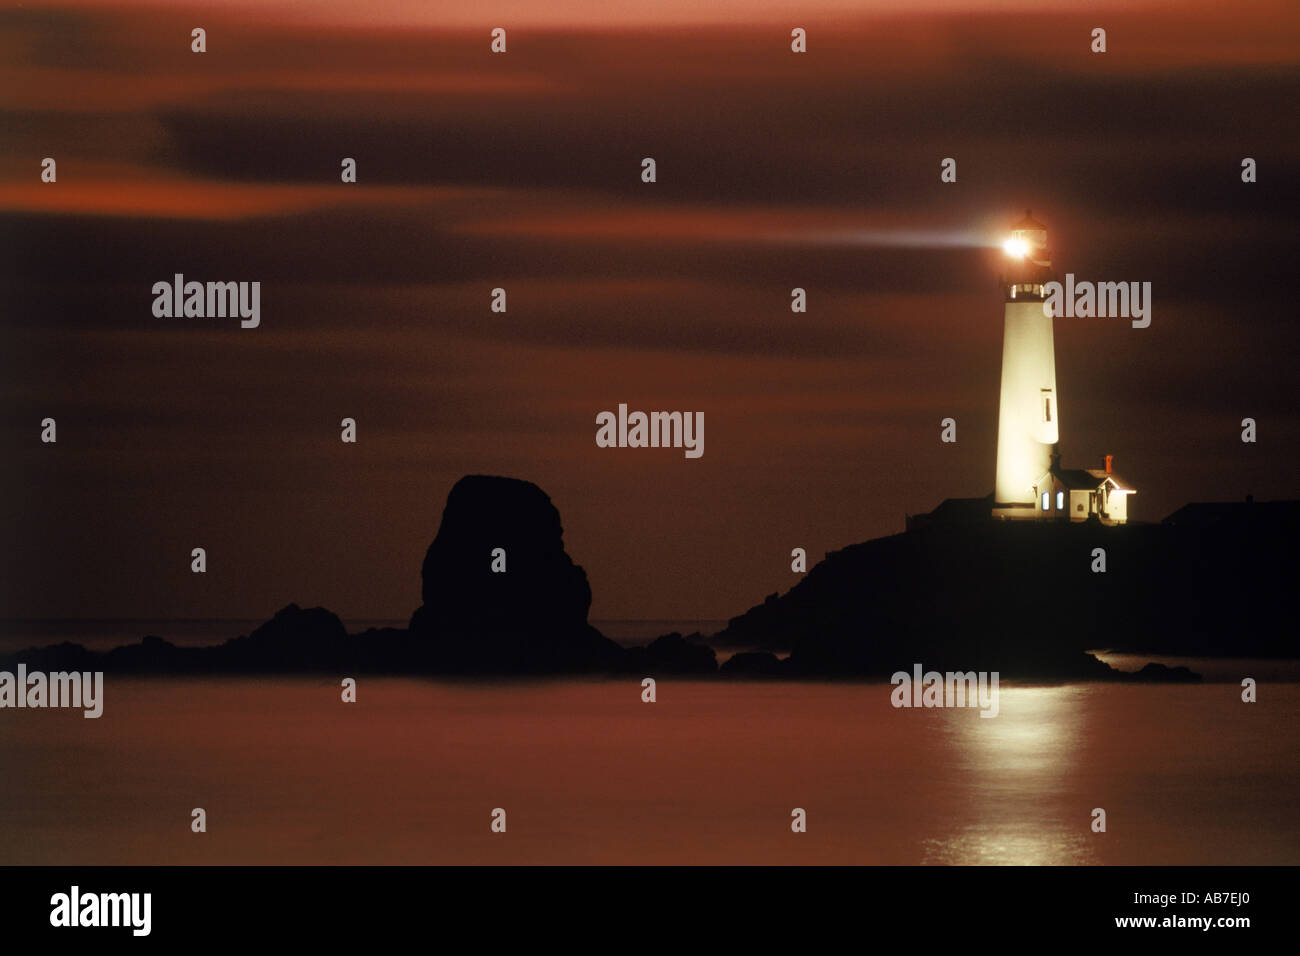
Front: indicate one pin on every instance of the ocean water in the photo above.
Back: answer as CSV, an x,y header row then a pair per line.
x,y
709,773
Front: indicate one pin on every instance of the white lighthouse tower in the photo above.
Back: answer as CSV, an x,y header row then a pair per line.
x,y
1029,413
1030,480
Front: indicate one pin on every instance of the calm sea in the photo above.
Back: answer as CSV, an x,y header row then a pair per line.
x,y
709,773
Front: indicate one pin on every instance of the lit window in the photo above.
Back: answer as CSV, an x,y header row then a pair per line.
x,y
1047,501
1060,501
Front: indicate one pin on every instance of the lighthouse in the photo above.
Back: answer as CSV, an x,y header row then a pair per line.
x,y
1030,482
1029,413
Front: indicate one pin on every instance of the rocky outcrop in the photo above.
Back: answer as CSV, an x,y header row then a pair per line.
x,y
500,592
755,664
1028,599
671,654
951,595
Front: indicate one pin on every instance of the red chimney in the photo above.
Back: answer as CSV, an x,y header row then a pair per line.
x,y
1109,458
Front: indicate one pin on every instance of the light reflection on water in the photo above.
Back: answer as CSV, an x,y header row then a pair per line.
x,y
1029,748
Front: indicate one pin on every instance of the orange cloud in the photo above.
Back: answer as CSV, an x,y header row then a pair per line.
x,y
104,190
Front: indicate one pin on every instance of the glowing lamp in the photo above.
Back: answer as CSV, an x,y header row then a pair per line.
x,y
1016,247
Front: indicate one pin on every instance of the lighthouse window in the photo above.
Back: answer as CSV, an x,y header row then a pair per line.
x,y
1060,501
1047,409
1047,501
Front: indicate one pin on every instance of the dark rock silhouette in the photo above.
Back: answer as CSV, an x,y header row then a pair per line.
x,y
671,654
755,664
954,592
542,590
531,618
152,654
1162,674
960,592
294,636
55,657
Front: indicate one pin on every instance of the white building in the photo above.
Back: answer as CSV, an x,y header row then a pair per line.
x,y
1030,482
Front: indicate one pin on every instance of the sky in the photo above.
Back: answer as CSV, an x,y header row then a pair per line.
x,y
522,170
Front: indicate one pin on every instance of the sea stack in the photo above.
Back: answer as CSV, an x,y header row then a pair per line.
x,y
499,591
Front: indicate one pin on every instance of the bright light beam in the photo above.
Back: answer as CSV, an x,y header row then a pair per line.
x,y
1016,248
887,238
